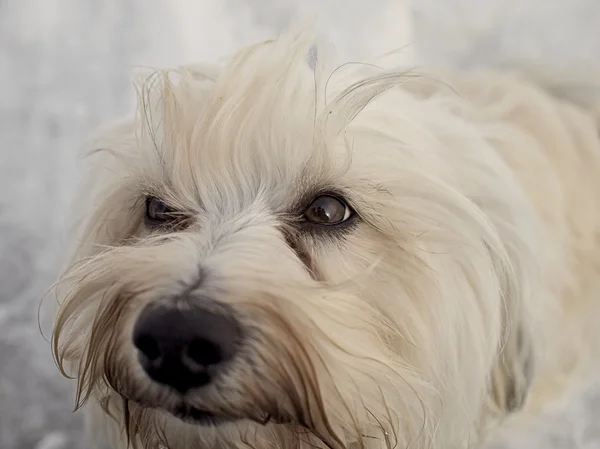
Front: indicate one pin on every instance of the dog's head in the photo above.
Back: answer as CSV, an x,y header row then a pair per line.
x,y
283,259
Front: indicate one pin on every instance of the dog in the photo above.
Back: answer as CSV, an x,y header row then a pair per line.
x,y
277,255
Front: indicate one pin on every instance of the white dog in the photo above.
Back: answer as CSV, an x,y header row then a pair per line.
x,y
284,257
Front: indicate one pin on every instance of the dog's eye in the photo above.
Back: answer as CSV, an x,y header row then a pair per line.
x,y
328,210
158,212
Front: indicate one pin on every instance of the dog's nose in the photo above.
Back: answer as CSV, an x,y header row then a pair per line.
x,y
182,348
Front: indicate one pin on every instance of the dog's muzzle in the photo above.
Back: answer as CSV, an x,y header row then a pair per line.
x,y
185,348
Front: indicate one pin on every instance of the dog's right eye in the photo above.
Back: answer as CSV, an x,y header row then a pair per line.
x,y
158,213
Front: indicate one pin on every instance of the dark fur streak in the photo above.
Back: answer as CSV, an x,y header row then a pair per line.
x,y
302,254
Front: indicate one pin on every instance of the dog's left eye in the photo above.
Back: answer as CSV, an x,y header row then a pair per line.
x,y
328,210
158,213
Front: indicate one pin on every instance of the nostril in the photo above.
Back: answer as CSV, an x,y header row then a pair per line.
x,y
148,346
204,352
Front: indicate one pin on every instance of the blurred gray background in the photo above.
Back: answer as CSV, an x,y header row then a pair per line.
x,y
65,69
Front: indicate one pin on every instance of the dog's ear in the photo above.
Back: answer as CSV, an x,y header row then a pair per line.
x,y
513,372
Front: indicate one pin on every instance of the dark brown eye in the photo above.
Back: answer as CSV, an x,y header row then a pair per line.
x,y
328,210
158,213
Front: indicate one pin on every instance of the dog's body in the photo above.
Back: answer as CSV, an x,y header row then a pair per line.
x,y
458,286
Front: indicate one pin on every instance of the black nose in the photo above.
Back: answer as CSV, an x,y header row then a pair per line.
x,y
182,347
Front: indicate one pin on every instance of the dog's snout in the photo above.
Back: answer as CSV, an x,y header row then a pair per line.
x,y
182,347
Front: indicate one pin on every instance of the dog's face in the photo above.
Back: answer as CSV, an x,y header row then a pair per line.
x,y
260,266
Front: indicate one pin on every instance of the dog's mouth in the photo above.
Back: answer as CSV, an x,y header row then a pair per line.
x,y
190,414
197,416
193,415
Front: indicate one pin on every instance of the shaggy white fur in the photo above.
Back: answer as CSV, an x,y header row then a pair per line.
x,y
462,281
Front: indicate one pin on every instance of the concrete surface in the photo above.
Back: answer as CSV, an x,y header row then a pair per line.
x,y
64,70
